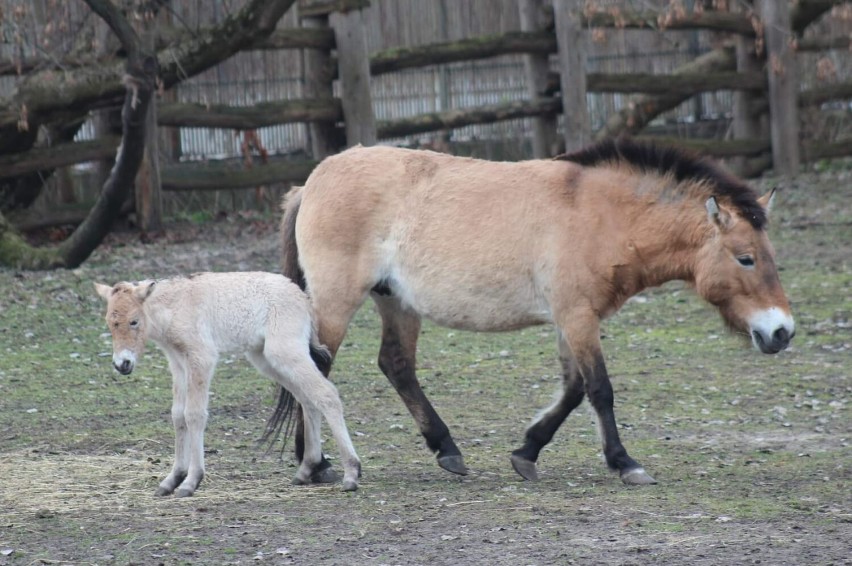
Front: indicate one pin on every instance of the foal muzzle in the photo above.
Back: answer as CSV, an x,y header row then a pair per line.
x,y
123,362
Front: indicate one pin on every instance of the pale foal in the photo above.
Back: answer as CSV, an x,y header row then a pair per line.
x,y
197,318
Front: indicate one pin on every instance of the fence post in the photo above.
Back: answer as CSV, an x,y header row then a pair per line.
x,y
746,124
353,62
544,141
781,71
572,72
319,84
149,200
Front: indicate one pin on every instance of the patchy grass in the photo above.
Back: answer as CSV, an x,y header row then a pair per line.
x,y
751,451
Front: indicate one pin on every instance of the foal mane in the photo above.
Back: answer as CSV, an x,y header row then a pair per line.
x,y
684,167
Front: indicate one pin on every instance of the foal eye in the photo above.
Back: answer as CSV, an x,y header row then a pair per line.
x,y
134,323
746,261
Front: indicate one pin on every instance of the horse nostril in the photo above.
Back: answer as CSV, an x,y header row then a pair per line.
x,y
781,336
125,367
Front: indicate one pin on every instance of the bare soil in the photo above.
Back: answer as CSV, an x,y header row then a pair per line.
x,y
751,452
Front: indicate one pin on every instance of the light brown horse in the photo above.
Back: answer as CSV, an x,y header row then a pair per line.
x,y
486,246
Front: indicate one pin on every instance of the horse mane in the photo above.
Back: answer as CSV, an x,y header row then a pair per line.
x,y
683,166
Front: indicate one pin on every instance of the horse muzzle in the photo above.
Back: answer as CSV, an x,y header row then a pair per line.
x,y
772,330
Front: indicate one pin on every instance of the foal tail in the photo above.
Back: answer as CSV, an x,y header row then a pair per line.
x,y
289,251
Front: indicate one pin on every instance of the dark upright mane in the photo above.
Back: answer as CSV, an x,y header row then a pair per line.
x,y
683,166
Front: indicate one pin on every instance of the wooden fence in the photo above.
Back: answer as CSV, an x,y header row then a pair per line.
x,y
338,107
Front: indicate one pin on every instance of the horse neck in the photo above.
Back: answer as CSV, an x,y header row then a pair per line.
x,y
666,239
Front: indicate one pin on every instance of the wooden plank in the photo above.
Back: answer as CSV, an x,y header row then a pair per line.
x,y
783,82
353,62
317,68
572,73
536,69
231,174
321,8
315,109
746,124
147,190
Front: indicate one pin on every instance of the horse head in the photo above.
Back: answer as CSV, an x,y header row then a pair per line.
x,y
736,272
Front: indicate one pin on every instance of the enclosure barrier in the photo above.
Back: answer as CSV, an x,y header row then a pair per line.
x,y
336,27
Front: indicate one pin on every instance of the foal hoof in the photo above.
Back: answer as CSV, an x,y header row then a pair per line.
x,y
350,485
524,467
454,464
183,493
162,492
637,476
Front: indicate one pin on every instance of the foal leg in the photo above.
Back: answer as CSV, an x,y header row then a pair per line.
x,y
548,421
180,377
582,333
400,330
198,387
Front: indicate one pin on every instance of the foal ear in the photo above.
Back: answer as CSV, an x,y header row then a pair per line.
x,y
143,290
767,200
717,215
103,290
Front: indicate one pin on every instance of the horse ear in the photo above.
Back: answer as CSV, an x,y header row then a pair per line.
x,y
766,200
717,216
144,290
103,290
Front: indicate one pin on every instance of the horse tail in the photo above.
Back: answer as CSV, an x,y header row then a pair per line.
x,y
290,252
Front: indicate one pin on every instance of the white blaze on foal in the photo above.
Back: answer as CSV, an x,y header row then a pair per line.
x,y
193,320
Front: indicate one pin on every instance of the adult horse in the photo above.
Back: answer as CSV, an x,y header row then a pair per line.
x,y
485,246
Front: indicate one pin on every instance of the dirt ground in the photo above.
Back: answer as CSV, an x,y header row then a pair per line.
x,y
751,452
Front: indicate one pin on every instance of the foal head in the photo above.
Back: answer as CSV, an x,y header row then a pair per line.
x,y
126,321
735,271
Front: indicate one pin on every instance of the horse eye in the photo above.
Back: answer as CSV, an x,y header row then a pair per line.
x,y
134,323
746,261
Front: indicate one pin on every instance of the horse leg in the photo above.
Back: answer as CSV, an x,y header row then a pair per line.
x,y
548,421
198,387
177,365
582,333
400,330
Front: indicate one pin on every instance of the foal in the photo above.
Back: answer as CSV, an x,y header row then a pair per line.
x,y
193,320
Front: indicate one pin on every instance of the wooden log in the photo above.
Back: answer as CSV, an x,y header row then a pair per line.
x,y
147,189
434,121
60,155
681,83
321,8
746,125
642,109
571,46
318,71
657,20
397,59
250,117
536,65
822,43
231,174
783,82
354,71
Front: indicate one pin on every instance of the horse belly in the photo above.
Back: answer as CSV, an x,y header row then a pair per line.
x,y
473,306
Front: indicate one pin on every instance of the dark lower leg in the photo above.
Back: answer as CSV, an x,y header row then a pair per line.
x,y
398,365
322,472
599,390
541,432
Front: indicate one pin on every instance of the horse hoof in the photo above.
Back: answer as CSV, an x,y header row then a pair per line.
x,y
454,464
637,476
326,475
350,485
183,493
299,481
525,468
162,492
